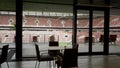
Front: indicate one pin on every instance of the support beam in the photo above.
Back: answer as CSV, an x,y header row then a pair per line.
x,y
106,30
74,35
90,30
18,37
106,27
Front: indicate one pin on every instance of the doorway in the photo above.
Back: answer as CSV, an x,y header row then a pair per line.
x,y
92,30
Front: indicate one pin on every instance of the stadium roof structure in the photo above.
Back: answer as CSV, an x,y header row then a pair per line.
x,y
54,5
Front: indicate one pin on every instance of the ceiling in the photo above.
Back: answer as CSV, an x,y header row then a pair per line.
x,y
54,5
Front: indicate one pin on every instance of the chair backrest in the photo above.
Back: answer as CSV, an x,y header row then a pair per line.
x,y
34,38
76,46
4,54
53,43
53,52
70,58
37,52
101,38
112,38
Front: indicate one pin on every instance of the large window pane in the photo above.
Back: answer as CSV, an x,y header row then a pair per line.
x,y
7,28
39,26
83,30
98,31
114,41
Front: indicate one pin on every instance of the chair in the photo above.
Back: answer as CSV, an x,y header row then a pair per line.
x,y
69,58
71,61
53,52
34,38
101,39
42,57
87,39
112,38
4,54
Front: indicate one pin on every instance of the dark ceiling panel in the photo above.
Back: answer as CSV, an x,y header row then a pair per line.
x,y
52,5
47,7
51,1
7,5
115,3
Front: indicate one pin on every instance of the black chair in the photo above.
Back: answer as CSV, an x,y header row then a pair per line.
x,y
42,57
71,61
4,54
69,58
112,38
101,39
54,52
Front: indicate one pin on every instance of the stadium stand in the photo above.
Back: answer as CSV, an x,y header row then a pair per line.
x,y
55,22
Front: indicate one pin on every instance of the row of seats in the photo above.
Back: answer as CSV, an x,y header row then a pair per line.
x,y
54,22
112,38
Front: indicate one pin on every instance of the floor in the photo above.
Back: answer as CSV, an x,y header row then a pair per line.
x,y
97,61
29,48
100,61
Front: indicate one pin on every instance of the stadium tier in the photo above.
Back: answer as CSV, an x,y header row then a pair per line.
x,y
62,35
55,22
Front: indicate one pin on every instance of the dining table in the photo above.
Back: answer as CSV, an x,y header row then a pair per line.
x,y
55,48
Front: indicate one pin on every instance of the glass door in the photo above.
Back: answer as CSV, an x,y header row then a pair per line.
x,y
83,31
90,32
98,31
